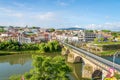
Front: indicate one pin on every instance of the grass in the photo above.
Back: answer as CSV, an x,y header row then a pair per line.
x,y
107,53
105,43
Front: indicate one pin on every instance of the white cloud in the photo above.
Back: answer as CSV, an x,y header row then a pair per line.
x,y
45,17
109,26
77,26
9,12
19,15
18,4
5,9
63,4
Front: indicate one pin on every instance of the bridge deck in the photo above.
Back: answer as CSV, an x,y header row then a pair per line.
x,y
102,60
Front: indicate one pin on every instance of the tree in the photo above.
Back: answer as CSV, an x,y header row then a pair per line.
x,y
48,68
115,34
51,29
42,47
101,39
51,47
89,30
106,31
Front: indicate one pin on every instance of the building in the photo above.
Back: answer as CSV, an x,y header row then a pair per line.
x,y
86,36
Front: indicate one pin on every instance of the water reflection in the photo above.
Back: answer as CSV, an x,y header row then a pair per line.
x,y
15,59
76,70
14,64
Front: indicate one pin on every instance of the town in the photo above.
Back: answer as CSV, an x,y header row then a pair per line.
x,y
37,34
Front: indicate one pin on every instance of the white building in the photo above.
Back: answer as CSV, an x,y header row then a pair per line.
x,y
86,36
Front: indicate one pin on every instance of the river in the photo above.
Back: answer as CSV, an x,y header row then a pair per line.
x,y
21,63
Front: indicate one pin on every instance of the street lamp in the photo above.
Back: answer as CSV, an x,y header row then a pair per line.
x,y
116,54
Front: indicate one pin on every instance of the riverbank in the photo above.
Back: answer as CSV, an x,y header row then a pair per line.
x,y
108,53
24,52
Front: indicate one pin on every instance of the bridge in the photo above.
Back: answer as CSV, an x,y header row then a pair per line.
x,y
93,65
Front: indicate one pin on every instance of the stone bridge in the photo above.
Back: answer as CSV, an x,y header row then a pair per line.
x,y
93,67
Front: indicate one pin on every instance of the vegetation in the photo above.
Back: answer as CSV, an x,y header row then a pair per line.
x,y
105,43
88,30
16,46
111,47
51,30
115,34
107,53
15,77
47,68
2,29
106,31
52,46
117,76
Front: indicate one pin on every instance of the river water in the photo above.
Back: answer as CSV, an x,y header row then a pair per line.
x,y
21,63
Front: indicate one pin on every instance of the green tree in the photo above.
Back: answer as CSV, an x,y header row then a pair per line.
x,y
89,30
51,29
48,68
51,47
106,31
101,39
42,47
115,34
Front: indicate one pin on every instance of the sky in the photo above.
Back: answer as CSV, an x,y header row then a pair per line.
x,y
88,14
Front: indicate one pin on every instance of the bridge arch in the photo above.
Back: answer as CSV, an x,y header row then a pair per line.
x,y
78,59
97,75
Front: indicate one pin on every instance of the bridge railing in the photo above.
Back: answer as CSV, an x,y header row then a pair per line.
x,y
100,59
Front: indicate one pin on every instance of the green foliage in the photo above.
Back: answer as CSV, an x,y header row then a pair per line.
x,y
2,29
101,39
88,30
106,31
15,77
16,46
115,34
111,47
96,40
117,76
107,53
51,29
52,46
48,68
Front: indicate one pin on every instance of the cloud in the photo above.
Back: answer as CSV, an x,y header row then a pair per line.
x,y
77,26
5,9
19,15
45,17
109,26
10,13
18,4
63,4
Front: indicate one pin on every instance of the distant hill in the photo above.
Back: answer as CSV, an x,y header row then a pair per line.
x,y
72,28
